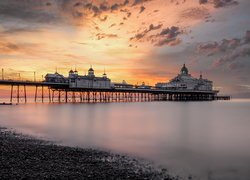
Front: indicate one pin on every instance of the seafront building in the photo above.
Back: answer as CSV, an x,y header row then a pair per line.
x,y
184,80
81,81
89,80
55,78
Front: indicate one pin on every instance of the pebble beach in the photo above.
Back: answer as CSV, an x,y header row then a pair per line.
x,y
24,157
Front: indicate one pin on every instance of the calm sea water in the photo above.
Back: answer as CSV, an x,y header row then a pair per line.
x,y
209,140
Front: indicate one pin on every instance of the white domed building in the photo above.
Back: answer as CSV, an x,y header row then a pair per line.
x,y
74,80
89,80
184,81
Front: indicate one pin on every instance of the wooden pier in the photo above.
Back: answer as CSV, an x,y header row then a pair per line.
x,y
62,93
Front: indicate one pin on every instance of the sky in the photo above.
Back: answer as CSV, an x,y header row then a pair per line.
x,y
133,40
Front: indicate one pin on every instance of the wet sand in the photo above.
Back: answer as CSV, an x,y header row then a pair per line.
x,y
26,157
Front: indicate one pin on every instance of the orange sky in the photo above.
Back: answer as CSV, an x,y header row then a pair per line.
x,y
124,37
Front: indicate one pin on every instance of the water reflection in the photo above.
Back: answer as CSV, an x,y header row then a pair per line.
x,y
207,139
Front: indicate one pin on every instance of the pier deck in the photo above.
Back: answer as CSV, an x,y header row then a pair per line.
x,y
61,92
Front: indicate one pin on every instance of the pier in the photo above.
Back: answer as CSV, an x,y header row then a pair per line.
x,y
62,93
76,88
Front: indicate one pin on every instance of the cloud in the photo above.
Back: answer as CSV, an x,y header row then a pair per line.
x,y
235,66
126,2
103,19
167,36
137,2
115,7
17,30
195,13
34,11
152,27
224,3
7,47
104,35
142,8
220,3
112,25
229,52
234,56
203,1
140,35
104,6
168,41
219,47
172,32
63,11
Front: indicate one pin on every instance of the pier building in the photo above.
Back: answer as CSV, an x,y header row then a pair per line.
x,y
123,84
89,80
185,81
55,78
81,81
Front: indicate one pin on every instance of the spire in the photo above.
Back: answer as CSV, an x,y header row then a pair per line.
x,y
75,70
91,72
200,74
91,69
104,73
56,71
184,69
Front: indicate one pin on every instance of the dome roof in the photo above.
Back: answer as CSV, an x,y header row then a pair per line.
x,y
71,71
91,69
184,69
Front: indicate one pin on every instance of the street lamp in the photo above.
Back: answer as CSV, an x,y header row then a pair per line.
x,y
34,76
2,74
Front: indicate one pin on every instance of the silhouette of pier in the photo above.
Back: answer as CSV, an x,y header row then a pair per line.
x,y
62,93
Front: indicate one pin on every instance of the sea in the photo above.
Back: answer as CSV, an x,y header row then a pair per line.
x,y
207,140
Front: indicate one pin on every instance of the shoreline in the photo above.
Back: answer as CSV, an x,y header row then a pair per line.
x,y
27,157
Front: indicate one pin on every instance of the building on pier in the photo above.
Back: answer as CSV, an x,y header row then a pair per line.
x,y
81,81
123,84
143,86
89,80
184,80
55,78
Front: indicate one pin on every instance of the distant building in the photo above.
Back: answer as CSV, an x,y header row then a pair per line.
x,y
55,78
124,84
184,80
89,80
143,86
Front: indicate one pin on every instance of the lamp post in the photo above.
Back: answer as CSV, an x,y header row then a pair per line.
x,y
34,76
2,74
